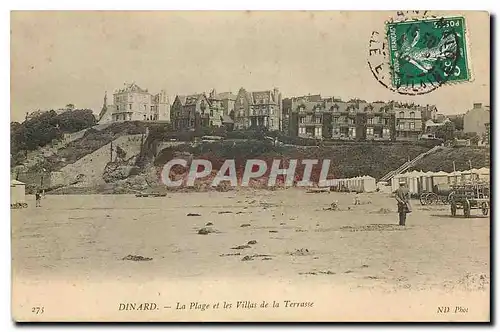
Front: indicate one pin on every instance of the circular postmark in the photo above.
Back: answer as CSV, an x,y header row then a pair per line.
x,y
417,53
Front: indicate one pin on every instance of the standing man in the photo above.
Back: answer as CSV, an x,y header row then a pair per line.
x,y
38,198
402,196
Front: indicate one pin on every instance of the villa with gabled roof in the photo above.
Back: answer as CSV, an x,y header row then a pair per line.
x,y
258,109
133,103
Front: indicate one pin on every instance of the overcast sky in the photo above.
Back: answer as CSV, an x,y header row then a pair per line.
x,y
73,57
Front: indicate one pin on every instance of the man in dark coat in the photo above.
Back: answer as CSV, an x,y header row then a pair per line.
x,y
402,196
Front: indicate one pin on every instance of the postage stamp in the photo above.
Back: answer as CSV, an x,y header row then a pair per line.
x,y
428,51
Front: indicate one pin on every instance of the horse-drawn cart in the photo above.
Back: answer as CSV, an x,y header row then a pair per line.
x,y
469,197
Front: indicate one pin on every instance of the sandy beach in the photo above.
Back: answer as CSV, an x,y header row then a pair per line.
x,y
291,235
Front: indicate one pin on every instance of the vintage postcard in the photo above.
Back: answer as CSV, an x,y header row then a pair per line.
x,y
250,166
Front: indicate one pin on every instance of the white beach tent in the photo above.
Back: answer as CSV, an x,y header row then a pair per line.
x,y
440,178
17,192
369,184
426,181
395,182
483,174
413,181
455,178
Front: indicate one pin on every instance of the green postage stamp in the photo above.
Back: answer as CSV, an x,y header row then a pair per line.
x,y
430,51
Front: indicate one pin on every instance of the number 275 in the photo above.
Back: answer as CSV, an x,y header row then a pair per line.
x,y
37,310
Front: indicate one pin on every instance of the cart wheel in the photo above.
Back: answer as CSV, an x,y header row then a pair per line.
x,y
484,208
422,198
431,198
466,208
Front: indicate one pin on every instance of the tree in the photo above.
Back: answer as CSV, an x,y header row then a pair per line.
x,y
446,132
44,128
458,121
76,120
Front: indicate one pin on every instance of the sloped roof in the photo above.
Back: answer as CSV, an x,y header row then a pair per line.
x,y
182,99
16,183
192,99
338,106
313,98
132,87
226,95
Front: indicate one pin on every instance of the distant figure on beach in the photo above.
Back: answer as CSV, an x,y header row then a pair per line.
x,y
357,201
402,196
38,198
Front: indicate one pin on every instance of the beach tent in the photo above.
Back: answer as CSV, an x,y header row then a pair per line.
x,y
395,182
455,178
440,178
413,182
17,192
369,184
482,174
426,181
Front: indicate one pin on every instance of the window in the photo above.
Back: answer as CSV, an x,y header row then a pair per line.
x,y
318,119
302,120
412,115
129,106
145,107
152,108
369,131
386,132
309,118
412,125
352,132
369,121
401,114
317,132
272,122
211,112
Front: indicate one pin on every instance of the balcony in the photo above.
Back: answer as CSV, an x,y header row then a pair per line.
x,y
310,123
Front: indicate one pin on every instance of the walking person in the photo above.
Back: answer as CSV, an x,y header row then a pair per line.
x,y
402,196
38,198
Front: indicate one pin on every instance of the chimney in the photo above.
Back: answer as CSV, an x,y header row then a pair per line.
x,y
478,105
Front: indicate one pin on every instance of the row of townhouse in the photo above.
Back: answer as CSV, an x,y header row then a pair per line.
x,y
245,110
306,116
316,117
